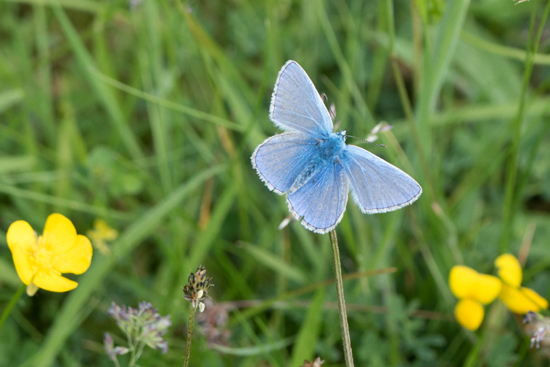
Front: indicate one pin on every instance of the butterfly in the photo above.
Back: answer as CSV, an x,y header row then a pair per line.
x,y
315,167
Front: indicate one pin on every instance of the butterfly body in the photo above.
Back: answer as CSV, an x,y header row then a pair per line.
x,y
333,146
314,166
326,151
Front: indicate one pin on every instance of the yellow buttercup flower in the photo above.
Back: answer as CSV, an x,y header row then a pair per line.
x,y
41,261
101,233
518,299
474,290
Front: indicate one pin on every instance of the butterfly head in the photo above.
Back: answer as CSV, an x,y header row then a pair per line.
x,y
341,134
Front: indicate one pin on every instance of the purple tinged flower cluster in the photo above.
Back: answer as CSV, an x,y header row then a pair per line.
x,y
144,325
111,350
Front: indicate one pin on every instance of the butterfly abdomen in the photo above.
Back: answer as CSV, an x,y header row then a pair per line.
x,y
309,171
328,152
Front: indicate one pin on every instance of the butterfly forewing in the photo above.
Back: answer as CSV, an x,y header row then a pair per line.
x,y
377,186
322,200
296,104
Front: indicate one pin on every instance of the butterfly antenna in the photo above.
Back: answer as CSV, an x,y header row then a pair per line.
x,y
366,141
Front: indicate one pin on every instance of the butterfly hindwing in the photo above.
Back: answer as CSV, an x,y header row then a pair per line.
x,y
377,186
321,201
296,104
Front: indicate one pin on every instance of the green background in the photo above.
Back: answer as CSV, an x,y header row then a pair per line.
x,y
145,114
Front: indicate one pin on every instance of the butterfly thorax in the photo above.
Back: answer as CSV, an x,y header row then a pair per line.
x,y
328,151
331,147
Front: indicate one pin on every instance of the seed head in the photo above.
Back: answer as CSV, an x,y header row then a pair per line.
x,y
196,289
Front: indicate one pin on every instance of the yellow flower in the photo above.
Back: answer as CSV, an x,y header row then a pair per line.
x,y
518,299
462,280
466,283
469,314
521,300
101,233
509,270
474,290
41,261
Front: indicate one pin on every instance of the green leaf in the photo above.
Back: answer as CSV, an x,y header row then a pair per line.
x,y
304,348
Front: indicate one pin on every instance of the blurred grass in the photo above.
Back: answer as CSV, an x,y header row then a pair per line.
x,y
145,114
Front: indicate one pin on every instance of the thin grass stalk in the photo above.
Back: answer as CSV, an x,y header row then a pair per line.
x,y
346,339
12,303
189,335
500,50
405,102
511,193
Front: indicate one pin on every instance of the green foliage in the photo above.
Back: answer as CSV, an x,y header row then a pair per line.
x,y
503,352
145,112
416,346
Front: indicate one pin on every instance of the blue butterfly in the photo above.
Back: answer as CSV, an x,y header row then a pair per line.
x,y
314,166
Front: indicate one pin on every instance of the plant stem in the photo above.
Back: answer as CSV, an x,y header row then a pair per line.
x,y
139,351
346,340
189,335
133,358
12,303
132,347
512,192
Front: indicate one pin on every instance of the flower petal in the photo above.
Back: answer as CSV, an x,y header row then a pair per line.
x,y
53,282
469,314
22,244
462,281
509,269
486,289
521,300
59,234
77,259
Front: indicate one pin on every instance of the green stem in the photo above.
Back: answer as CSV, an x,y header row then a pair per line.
x,y
132,348
511,191
473,358
189,335
346,340
12,303
406,103
139,351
